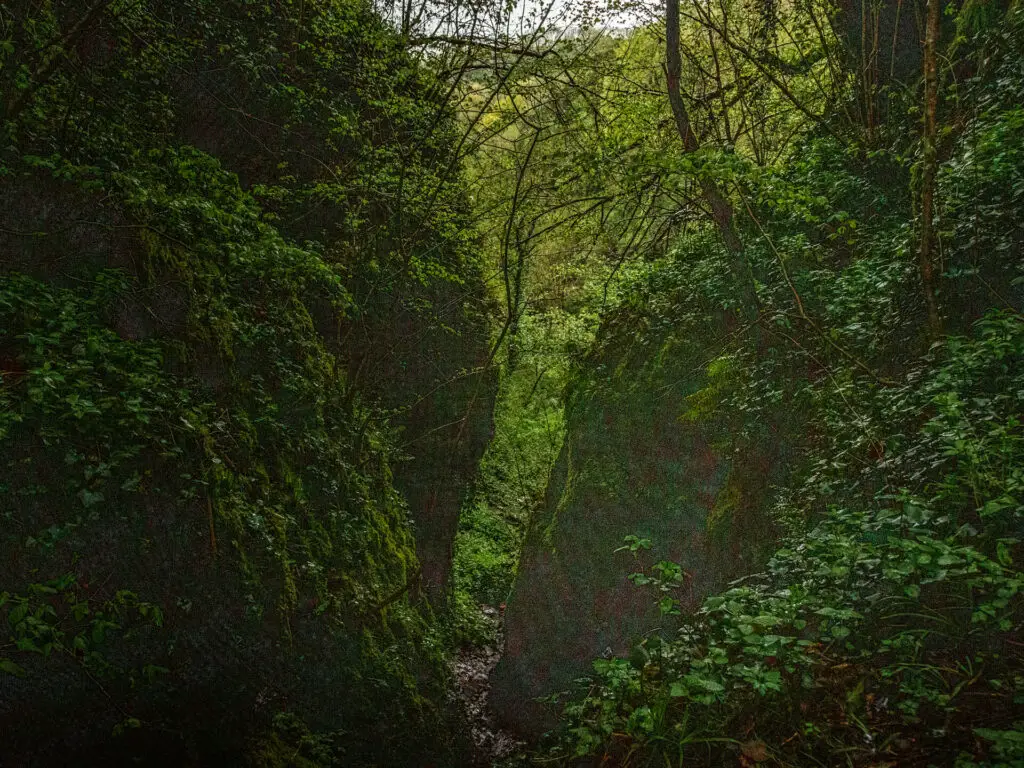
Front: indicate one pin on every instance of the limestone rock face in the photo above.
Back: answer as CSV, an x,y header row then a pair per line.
x,y
640,458
417,346
435,376
246,253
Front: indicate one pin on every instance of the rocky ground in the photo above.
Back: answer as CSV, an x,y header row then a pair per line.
x,y
472,669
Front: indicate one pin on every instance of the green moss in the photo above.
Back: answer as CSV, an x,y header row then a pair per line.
x,y
727,504
703,404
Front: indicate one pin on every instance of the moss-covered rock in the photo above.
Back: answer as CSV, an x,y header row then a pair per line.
x,y
650,451
224,356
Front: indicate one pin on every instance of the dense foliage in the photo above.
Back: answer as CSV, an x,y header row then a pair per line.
x,y
220,222
326,328
884,630
885,627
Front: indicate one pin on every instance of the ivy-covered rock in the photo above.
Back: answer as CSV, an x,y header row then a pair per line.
x,y
646,455
884,629
241,342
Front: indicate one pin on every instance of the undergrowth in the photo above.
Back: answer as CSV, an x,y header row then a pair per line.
x,y
885,629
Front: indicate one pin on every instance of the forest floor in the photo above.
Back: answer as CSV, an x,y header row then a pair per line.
x,y
472,669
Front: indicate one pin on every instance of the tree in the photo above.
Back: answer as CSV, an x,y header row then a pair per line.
x,y
929,166
721,209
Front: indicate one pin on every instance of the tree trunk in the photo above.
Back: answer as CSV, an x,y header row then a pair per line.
x,y
926,256
721,209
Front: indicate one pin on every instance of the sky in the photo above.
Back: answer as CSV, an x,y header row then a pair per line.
x,y
521,17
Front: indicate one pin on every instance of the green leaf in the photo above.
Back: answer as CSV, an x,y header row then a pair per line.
x,y
1003,551
8,666
89,498
17,614
711,686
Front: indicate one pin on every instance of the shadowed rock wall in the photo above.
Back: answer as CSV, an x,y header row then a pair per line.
x,y
641,456
241,330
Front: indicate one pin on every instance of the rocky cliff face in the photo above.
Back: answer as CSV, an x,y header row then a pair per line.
x,y
393,224
644,455
430,368
240,334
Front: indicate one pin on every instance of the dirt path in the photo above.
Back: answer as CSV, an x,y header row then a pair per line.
x,y
472,668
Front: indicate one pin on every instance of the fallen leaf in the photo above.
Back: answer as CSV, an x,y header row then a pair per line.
x,y
755,750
